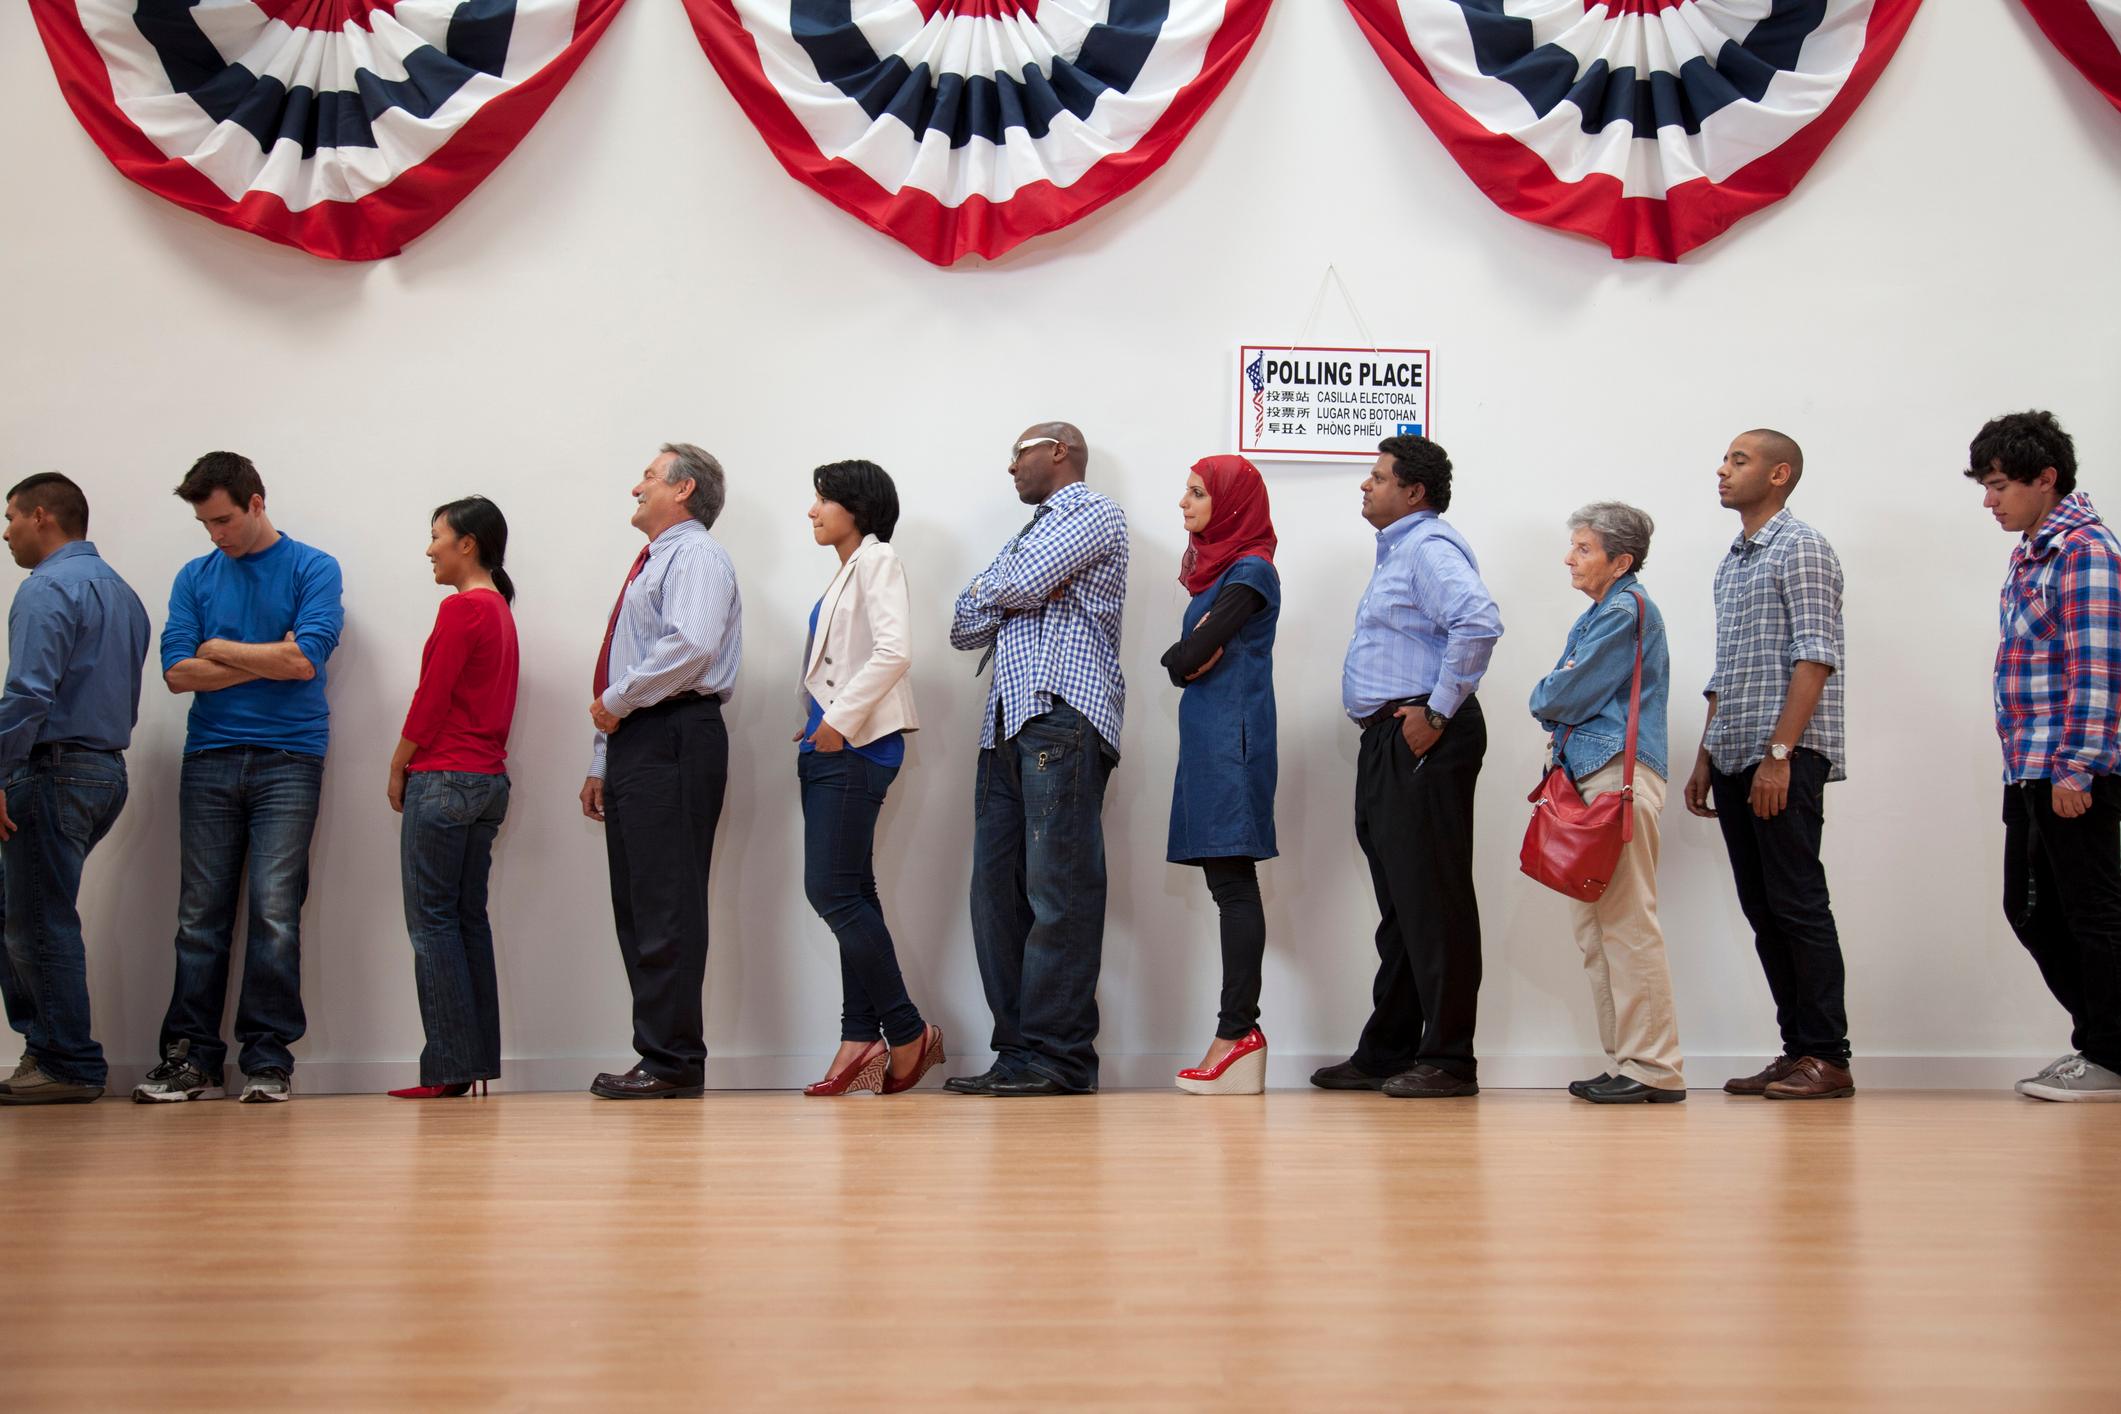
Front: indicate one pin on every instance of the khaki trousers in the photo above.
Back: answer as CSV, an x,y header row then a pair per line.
x,y
1623,948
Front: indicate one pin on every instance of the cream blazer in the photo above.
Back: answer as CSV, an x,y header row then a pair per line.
x,y
860,654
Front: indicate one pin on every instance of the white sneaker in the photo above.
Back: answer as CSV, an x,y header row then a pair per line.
x,y
2074,1079
267,1086
2051,1067
178,1078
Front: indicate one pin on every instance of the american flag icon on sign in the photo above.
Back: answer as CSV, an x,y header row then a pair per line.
x,y
1256,373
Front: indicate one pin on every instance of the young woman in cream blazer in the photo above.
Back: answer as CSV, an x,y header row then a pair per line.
x,y
859,706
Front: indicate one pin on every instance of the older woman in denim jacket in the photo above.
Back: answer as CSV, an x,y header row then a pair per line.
x,y
1583,704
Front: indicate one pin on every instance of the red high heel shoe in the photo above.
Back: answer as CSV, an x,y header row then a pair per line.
x,y
1241,1071
931,1057
435,1092
865,1072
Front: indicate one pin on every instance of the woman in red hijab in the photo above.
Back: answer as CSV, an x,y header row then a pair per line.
x,y
1222,804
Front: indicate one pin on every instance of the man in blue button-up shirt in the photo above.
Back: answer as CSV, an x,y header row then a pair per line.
x,y
77,641
1423,635
1048,611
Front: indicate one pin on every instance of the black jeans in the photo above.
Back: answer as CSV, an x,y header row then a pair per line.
x,y
842,795
665,770
1038,893
1414,821
445,853
1234,885
1782,890
2062,895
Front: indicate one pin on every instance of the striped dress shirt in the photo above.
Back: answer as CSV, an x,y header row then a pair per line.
x,y
1426,624
680,627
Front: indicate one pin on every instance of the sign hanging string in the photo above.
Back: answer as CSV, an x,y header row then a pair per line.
x,y
1318,300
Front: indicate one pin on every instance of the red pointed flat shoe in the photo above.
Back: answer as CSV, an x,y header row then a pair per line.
x,y
931,1057
865,1072
1241,1071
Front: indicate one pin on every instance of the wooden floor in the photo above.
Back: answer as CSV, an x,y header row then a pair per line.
x,y
1304,1251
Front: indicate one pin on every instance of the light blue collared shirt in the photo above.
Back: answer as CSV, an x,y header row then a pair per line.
x,y
1426,623
77,641
680,628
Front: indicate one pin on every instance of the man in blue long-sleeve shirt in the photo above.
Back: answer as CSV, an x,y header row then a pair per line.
x,y
250,627
77,642
1048,612
1423,635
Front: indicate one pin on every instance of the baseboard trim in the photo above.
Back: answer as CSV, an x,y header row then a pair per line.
x,y
1134,1072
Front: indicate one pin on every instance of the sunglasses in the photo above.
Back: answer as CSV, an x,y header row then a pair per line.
x,y
1026,445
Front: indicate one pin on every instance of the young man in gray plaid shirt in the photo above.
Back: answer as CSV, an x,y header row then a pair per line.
x,y
1775,736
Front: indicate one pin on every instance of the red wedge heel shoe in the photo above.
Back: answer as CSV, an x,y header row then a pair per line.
x,y
1241,1071
931,1057
439,1092
865,1072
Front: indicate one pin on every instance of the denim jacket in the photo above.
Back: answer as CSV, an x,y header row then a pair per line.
x,y
1588,689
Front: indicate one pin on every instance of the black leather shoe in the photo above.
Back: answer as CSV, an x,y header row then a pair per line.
x,y
1619,1090
1345,1076
1577,1087
1034,1085
638,1084
1426,1082
981,1084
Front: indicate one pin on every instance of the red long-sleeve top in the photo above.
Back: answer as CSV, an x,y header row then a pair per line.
x,y
466,700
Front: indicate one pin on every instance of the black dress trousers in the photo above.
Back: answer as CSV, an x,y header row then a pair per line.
x,y
665,769
1414,820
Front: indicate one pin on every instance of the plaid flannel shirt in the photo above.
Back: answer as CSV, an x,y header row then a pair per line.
x,y
1047,647
1778,604
2058,666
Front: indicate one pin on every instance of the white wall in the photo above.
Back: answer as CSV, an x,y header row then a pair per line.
x,y
641,269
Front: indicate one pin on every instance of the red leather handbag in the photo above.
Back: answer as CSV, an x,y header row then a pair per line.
x,y
1573,847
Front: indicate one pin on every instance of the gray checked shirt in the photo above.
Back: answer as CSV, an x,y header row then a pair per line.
x,y
1778,603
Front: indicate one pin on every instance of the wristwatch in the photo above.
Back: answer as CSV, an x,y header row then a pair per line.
x,y
1778,751
1437,720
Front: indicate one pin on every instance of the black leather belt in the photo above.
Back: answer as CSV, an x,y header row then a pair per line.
x,y
1389,712
60,750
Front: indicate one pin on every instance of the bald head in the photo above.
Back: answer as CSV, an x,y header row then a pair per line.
x,y
1048,456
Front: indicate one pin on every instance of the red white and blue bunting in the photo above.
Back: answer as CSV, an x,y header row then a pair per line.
x,y
2088,32
970,126
343,127
1651,125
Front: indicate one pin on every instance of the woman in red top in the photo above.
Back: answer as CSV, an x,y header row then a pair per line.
x,y
449,780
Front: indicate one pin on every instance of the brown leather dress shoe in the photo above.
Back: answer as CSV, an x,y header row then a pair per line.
x,y
1758,1084
1812,1079
638,1084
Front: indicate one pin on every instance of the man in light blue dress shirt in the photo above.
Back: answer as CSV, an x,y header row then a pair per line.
x,y
77,641
1423,635
660,763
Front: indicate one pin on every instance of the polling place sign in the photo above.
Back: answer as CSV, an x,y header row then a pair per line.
x,y
1315,404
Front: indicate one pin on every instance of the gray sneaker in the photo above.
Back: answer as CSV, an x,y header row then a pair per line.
x,y
37,1088
2074,1079
267,1086
23,1069
178,1078
2052,1066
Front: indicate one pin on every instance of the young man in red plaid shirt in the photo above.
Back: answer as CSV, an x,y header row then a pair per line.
x,y
2058,689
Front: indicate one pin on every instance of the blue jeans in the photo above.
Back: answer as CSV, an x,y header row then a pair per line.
x,y
445,848
63,801
1038,893
242,811
842,794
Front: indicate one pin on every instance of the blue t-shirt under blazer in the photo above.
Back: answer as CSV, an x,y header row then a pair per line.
x,y
260,598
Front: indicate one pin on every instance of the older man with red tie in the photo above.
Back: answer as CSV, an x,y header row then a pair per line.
x,y
661,760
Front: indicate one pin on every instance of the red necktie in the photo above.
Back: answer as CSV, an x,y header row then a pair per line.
x,y
602,679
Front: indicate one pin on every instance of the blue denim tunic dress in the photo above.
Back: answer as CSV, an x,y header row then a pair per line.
x,y
1222,804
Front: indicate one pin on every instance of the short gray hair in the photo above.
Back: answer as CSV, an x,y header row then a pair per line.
x,y
690,463
1620,528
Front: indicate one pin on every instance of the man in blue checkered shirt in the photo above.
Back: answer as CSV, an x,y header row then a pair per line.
x,y
1775,736
1047,611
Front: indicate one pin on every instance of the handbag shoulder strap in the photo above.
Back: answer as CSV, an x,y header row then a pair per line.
x,y
1627,770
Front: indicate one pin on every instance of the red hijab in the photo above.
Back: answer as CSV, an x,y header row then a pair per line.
x,y
1238,522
